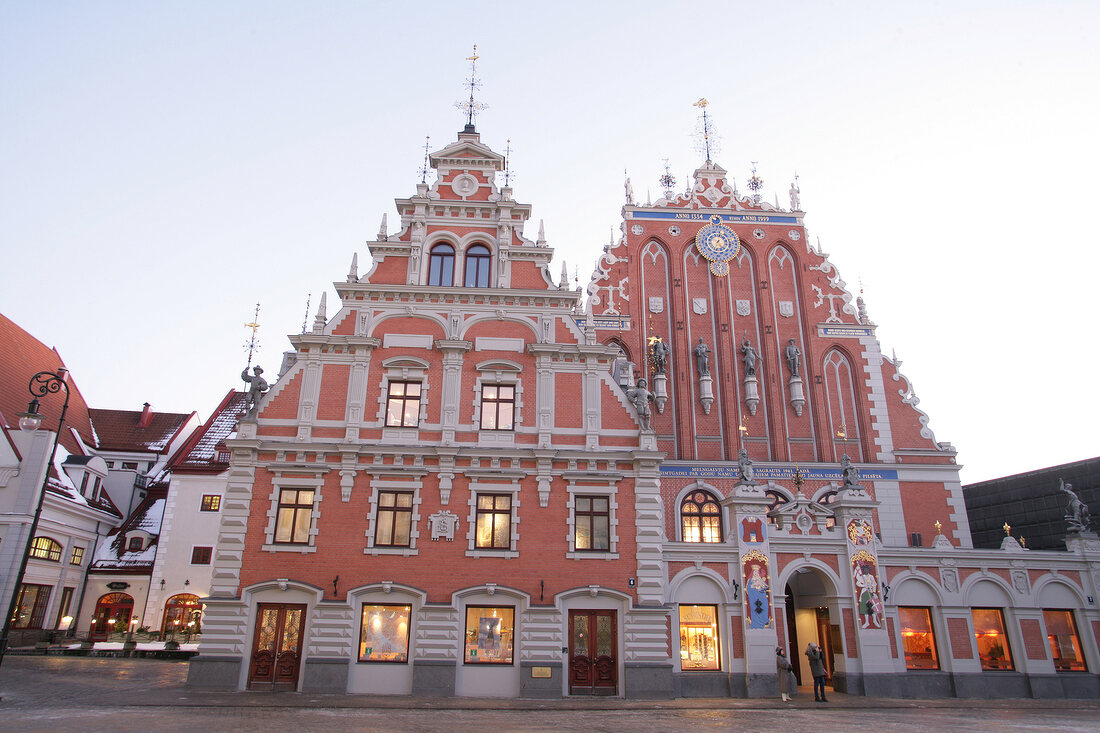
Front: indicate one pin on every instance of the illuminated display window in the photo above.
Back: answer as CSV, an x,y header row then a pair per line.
x,y
989,630
384,636
918,638
699,637
489,635
1065,644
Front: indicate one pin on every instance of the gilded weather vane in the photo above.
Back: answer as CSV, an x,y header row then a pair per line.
x,y
471,107
667,181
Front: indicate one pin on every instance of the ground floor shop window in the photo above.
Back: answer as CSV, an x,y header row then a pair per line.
x,y
30,607
989,630
384,635
918,638
1065,644
183,614
489,635
699,637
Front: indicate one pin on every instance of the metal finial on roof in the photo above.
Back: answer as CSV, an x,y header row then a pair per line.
x,y
667,180
508,162
305,318
471,106
755,184
425,167
252,344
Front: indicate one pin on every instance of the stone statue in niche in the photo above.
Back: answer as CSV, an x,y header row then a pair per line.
x,y
660,353
794,357
1077,512
443,525
640,397
749,356
849,473
745,472
702,358
258,386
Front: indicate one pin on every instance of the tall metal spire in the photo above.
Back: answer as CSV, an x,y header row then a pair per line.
x,y
425,168
705,138
252,344
471,106
508,162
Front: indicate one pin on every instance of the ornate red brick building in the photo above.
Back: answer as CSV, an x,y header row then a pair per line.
x,y
460,484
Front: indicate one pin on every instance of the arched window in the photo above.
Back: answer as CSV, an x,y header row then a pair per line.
x,y
477,266
43,548
701,518
183,614
441,265
113,614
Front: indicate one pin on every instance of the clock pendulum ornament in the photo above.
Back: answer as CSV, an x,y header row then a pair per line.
x,y
718,244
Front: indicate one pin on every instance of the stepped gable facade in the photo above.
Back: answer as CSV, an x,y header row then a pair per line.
x,y
445,485
468,481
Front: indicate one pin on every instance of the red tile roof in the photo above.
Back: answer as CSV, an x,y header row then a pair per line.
x,y
21,357
123,430
199,453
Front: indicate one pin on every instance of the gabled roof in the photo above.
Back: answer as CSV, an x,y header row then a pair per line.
x,y
21,357
199,453
137,431
113,555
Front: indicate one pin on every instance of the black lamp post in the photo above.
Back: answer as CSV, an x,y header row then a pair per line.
x,y
41,384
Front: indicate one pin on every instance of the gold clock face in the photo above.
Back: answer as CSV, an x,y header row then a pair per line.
x,y
716,242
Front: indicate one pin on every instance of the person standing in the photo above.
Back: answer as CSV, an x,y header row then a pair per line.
x,y
817,669
788,685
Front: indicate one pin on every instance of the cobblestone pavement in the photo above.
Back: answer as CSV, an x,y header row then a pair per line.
x,y
66,694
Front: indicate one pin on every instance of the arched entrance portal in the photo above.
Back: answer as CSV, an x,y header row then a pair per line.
x,y
810,597
183,615
112,615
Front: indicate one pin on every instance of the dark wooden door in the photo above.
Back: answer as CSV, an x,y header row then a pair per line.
x,y
593,667
277,647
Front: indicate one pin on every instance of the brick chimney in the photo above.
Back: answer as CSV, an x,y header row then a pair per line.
x,y
146,417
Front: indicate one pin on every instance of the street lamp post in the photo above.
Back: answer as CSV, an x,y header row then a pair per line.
x,y
41,384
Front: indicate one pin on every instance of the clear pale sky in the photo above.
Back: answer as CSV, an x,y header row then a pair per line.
x,y
164,166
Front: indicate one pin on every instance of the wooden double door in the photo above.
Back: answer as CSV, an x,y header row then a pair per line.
x,y
593,663
277,647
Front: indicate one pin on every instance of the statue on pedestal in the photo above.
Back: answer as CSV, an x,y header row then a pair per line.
x,y
849,473
750,356
258,387
660,353
793,357
702,358
745,472
640,397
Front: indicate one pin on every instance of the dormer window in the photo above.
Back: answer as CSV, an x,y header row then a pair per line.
x,y
441,265
477,266
135,544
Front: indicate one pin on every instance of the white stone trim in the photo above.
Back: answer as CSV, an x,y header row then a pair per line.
x,y
476,488
315,483
414,486
611,492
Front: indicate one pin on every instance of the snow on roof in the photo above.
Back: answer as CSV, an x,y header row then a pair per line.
x,y
122,430
200,452
146,518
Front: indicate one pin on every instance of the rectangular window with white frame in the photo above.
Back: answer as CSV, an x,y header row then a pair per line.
x,y
593,526
498,406
403,404
294,511
393,526
494,522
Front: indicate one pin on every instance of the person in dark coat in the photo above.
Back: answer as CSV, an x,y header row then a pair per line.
x,y
788,684
817,669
